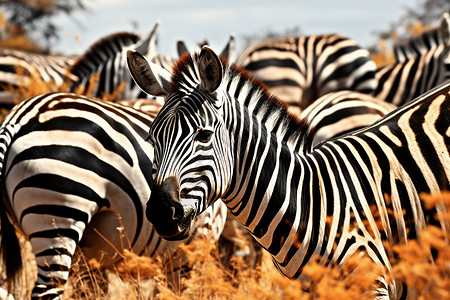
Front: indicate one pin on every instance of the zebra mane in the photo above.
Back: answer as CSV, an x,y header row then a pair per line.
x,y
102,51
296,131
184,75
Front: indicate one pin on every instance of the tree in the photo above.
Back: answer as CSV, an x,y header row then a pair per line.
x,y
34,19
426,13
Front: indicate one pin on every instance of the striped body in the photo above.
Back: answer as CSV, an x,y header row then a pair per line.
x,y
221,135
70,167
150,106
102,69
338,113
421,43
299,70
401,82
19,68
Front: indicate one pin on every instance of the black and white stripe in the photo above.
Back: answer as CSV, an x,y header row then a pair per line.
x,y
74,170
339,113
102,69
299,70
221,135
19,68
401,82
421,43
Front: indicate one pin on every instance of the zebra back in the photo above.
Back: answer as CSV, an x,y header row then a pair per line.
x,y
426,40
103,60
149,106
19,69
299,70
339,113
401,82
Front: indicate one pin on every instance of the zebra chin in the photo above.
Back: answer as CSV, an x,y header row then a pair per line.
x,y
181,233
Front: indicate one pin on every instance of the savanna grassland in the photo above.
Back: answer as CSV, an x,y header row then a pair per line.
x,y
211,274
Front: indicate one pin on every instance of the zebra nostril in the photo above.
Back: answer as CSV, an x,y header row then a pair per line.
x,y
175,216
173,212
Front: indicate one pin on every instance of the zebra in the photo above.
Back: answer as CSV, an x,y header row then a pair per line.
x,y
102,70
331,115
18,68
428,39
73,170
341,112
401,82
222,135
300,69
105,59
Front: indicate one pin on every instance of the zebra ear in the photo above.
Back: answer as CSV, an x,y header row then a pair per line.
x,y
445,29
151,78
181,48
210,70
230,49
147,45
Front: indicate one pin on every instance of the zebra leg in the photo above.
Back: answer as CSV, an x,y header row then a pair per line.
x,y
53,259
54,229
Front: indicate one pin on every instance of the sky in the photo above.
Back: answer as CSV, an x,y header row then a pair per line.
x,y
196,20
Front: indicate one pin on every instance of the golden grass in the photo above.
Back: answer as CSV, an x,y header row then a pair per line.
x,y
430,280
207,278
31,84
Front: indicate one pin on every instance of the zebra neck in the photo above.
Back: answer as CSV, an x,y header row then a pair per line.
x,y
269,146
271,171
256,106
275,193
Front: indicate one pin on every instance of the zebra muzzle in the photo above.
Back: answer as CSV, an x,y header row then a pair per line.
x,y
165,211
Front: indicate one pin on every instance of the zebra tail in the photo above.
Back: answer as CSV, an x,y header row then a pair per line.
x,y
9,244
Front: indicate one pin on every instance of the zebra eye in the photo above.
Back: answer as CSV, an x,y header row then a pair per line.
x,y
203,135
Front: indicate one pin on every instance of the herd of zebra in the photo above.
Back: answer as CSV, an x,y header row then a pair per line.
x,y
297,140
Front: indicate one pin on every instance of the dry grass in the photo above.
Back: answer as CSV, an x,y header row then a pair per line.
x,y
207,278
32,84
429,280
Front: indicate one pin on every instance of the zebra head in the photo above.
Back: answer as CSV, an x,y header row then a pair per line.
x,y
192,144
